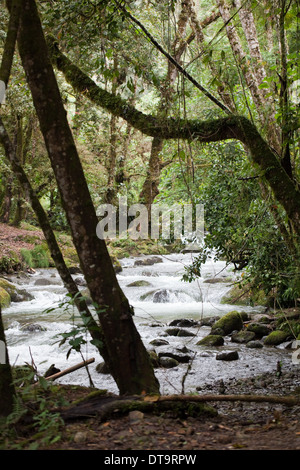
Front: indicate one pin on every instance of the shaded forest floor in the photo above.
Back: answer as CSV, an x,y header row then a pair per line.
x,y
233,426
248,426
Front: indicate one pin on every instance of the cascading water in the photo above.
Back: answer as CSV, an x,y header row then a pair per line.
x,y
158,295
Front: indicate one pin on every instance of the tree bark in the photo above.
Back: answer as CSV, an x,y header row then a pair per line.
x,y
105,407
252,76
53,246
127,357
7,390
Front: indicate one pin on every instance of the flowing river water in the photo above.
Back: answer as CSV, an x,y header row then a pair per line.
x,y
161,298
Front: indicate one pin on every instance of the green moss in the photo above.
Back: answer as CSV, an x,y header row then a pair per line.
x,y
276,337
8,286
244,295
4,298
211,340
228,323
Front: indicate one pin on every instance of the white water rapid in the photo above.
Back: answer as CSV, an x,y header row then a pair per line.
x,y
162,298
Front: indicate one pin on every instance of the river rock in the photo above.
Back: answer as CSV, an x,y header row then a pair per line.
x,y
276,337
21,295
211,340
178,332
262,318
148,261
260,329
254,344
183,323
227,356
243,336
161,296
209,321
80,281
217,280
159,342
10,293
102,368
51,371
168,362
182,358
33,327
228,323
140,283
47,282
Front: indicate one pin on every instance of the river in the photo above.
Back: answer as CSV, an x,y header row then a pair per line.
x,y
162,298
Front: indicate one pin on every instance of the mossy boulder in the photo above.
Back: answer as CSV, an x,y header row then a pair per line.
x,y
260,329
4,298
8,286
244,295
15,294
276,337
242,336
228,323
211,340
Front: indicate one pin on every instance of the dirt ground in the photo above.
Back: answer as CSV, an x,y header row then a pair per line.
x,y
231,432
237,425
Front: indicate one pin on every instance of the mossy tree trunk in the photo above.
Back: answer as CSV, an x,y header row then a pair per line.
x,y
232,127
128,359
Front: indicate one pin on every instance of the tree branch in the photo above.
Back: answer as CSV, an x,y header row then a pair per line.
x,y
174,61
216,130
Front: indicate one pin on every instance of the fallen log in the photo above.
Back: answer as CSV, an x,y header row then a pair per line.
x,y
105,407
69,370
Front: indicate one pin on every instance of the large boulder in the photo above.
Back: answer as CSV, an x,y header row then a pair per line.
x,y
228,323
161,296
276,337
12,293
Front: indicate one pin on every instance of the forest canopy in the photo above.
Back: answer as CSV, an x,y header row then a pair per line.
x,y
193,102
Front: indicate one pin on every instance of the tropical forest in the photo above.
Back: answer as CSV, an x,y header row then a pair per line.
x,y
149,227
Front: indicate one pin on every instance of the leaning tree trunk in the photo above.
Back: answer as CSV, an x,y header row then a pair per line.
x,y
7,391
128,359
55,251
